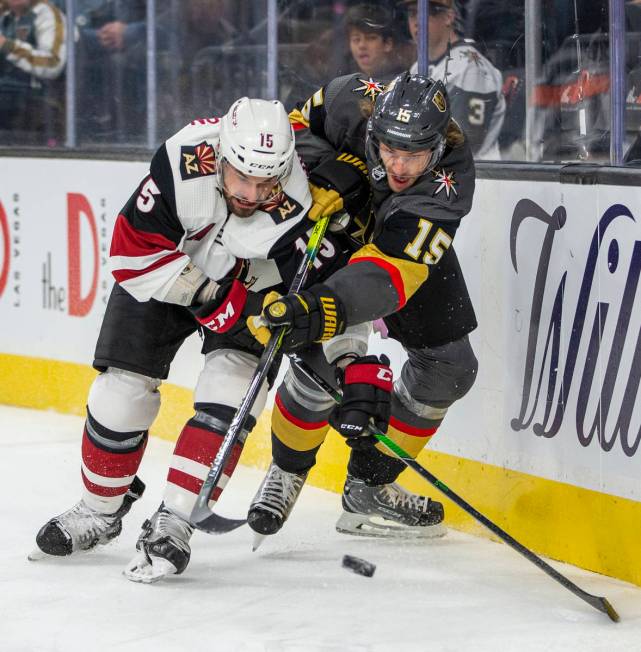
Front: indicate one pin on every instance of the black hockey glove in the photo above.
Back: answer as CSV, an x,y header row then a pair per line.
x,y
227,312
312,315
367,390
338,184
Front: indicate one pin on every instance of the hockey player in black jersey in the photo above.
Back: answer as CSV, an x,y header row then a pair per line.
x,y
474,85
218,220
403,269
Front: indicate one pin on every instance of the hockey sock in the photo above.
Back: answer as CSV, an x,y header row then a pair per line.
x,y
297,433
194,453
375,465
110,460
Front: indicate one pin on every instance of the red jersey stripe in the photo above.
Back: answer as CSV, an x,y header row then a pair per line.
x,y
395,276
122,275
411,430
304,425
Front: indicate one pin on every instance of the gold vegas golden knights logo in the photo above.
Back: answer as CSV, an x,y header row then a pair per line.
x,y
439,101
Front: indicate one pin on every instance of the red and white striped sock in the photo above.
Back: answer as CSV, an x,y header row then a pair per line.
x,y
110,461
193,455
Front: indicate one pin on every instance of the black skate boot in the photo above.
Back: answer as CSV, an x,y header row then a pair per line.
x,y
82,528
163,548
274,501
388,510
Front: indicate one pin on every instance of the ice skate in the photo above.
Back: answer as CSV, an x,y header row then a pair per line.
x,y
273,502
163,548
82,528
388,510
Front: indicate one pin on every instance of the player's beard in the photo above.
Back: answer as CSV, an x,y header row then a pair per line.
x,y
238,207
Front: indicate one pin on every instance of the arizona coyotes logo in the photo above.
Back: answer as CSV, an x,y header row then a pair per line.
x,y
370,88
439,101
281,207
275,198
197,161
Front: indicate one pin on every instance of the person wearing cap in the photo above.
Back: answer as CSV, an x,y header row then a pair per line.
x,y
370,35
474,85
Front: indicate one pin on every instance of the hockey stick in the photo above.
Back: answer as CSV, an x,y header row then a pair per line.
x,y
202,516
598,602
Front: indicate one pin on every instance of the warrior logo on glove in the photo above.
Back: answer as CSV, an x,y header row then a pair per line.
x,y
312,315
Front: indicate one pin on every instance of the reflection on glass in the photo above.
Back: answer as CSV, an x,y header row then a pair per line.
x,y
209,52
32,59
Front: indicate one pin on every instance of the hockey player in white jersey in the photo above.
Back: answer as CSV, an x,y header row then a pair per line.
x,y
474,85
222,210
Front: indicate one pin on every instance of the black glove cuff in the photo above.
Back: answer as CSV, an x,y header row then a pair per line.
x,y
331,313
347,175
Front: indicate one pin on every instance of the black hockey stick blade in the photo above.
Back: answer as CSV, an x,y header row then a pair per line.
x,y
215,524
598,602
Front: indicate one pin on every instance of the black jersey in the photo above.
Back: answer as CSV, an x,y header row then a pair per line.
x,y
405,268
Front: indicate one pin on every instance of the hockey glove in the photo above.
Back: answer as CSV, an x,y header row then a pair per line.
x,y
312,315
338,184
227,312
367,389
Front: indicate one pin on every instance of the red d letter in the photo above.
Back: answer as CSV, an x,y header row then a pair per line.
x,y
6,250
76,205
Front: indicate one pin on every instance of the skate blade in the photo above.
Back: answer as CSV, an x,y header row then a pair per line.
x,y
38,555
364,526
258,541
141,571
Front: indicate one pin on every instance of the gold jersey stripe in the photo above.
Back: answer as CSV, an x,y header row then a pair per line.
x,y
297,118
406,275
294,437
413,445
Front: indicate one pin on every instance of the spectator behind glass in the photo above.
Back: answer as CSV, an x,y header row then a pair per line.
x,y
370,34
32,49
473,83
111,69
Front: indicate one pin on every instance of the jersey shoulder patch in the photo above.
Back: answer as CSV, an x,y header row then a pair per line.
x,y
197,161
282,207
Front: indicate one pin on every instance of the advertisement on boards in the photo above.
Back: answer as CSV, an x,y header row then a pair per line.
x,y
553,271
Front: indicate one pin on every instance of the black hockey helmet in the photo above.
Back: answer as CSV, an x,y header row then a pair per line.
x,y
412,114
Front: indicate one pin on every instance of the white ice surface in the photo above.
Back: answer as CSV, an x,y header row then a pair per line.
x,y
455,594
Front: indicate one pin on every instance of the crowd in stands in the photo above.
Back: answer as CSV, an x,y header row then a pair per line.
x,y
210,51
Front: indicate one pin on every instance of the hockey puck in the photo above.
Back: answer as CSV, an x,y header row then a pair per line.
x,y
359,566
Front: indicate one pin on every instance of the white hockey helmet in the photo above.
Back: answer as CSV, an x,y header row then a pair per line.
x,y
257,139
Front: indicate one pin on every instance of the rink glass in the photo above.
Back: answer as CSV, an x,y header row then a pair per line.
x,y
139,70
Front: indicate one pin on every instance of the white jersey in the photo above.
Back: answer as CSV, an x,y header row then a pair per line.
x,y
475,88
178,215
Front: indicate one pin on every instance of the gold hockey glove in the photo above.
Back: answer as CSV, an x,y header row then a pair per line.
x,y
336,184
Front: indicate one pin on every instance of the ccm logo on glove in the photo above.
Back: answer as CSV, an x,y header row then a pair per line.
x,y
367,389
371,374
222,313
